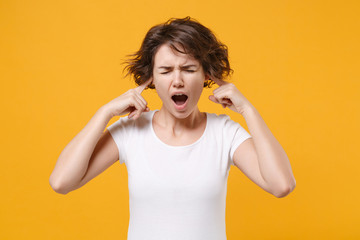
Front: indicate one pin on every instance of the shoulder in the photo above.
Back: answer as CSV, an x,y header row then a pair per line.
x,y
218,119
129,124
223,123
145,119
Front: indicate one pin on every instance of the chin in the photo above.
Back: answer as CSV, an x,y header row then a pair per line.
x,y
182,114
177,114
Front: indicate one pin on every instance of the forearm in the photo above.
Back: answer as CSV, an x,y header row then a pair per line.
x,y
73,161
273,162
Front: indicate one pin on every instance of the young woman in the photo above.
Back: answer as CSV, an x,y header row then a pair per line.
x,y
178,158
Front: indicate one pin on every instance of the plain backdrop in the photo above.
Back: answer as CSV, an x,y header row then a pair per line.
x,y
297,62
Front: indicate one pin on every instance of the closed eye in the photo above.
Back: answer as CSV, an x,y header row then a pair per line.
x,y
189,71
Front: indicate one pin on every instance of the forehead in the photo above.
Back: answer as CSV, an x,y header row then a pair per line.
x,y
168,56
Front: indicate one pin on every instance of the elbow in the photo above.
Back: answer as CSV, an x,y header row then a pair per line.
x,y
57,187
283,192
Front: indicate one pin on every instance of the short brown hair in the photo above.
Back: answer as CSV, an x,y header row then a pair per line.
x,y
194,38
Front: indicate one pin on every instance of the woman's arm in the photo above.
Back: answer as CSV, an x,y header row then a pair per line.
x,y
73,161
262,159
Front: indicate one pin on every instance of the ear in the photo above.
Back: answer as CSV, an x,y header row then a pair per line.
x,y
152,81
207,77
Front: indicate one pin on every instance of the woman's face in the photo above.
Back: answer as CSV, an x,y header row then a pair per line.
x,y
178,80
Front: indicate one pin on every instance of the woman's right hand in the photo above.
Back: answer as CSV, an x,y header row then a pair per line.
x,y
129,102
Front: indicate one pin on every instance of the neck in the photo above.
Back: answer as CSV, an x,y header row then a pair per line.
x,y
169,121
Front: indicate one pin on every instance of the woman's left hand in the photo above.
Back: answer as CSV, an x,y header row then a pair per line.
x,y
229,96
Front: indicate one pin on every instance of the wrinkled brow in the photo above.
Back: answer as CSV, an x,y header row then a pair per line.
x,y
182,67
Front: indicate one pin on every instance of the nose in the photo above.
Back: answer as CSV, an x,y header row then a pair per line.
x,y
178,81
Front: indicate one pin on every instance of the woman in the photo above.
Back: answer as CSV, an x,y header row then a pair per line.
x,y
177,158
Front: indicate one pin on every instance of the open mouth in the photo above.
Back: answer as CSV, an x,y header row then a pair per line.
x,y
179,99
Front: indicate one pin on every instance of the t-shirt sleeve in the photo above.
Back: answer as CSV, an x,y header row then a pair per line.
x,y
119,134
236,134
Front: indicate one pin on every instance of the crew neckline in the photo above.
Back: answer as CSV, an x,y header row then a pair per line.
x,y
180,146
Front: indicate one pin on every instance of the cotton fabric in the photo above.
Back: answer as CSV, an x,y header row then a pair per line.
x,y
177,192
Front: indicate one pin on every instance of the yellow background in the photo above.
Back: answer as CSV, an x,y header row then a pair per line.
x,y
297,62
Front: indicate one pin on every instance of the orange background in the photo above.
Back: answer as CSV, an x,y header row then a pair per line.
x,y
297,62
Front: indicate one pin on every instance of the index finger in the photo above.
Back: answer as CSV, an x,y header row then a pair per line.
x,y
218,81
141,88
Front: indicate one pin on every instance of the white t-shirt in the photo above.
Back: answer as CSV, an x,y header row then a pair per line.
x,y
177,192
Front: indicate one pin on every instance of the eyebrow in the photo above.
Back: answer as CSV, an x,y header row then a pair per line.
x,y
182,67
